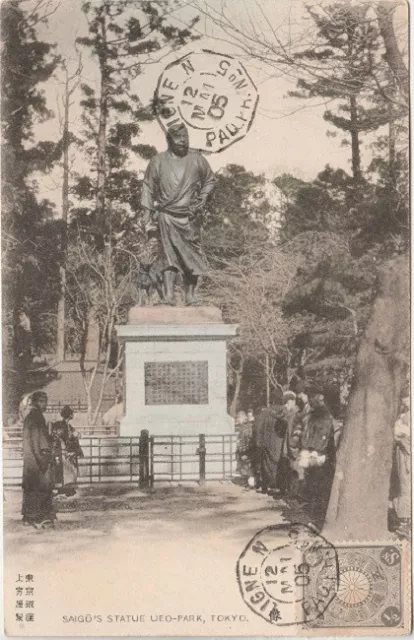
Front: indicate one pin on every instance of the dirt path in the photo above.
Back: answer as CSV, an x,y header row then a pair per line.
x,y
127,551
222,509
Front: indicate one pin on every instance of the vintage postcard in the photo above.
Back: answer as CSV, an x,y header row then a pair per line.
x,y
206,308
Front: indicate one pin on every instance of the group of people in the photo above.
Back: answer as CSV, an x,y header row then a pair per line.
x,y
290,450
287,450
50,460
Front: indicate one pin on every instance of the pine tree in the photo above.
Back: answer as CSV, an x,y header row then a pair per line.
x,y
70,84
332,289
233,219
343,65
29,237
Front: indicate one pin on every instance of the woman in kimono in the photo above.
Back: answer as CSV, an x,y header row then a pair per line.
x,y
67,451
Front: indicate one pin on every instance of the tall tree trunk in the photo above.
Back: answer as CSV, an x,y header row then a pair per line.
x,y
359,497
267,374
60,351
60,346
100,160
356,155
385,13
237,386
392,136
103,123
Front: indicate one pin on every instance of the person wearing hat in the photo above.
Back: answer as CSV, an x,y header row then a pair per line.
x,y
67,451
37,507
175,189
318,457
269,433
288,476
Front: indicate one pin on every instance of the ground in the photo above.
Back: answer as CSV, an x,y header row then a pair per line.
x,y
175,546
96,510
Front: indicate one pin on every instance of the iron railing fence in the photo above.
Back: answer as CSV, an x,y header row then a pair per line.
x,y
200,457
109,460
143,459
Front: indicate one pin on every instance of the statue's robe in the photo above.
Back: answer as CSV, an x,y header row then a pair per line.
x,y
172,186
37,469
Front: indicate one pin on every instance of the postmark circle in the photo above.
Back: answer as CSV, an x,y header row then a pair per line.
x,y
279,574
212,94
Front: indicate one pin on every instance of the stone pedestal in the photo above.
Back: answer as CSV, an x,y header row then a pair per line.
x,y
175,371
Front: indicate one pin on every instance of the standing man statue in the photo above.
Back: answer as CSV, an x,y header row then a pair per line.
x,y
176,186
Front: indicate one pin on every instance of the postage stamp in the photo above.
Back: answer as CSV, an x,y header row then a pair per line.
x,y
370,588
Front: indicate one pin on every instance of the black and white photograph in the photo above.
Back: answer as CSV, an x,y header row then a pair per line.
x,y
206,318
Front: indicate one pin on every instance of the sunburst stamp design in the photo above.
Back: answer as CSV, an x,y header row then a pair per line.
x,y
354,587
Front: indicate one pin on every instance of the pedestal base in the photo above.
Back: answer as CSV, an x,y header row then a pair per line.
x,y
161,425
175,371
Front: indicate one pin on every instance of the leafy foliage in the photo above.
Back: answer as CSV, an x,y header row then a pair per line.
x,y
234,218
30,238
123,40
346,66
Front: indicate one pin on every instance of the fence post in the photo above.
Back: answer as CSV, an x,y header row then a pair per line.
x,y
151,462
202,457
143,459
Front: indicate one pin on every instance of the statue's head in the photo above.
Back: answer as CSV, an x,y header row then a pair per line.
x,y
178,141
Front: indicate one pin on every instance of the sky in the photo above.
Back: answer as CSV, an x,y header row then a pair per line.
x,y
287,135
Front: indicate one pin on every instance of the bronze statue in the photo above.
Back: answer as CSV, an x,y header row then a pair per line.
x,y
176,186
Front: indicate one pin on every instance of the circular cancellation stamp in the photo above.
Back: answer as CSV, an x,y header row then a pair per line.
x,y
212,94
288,574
